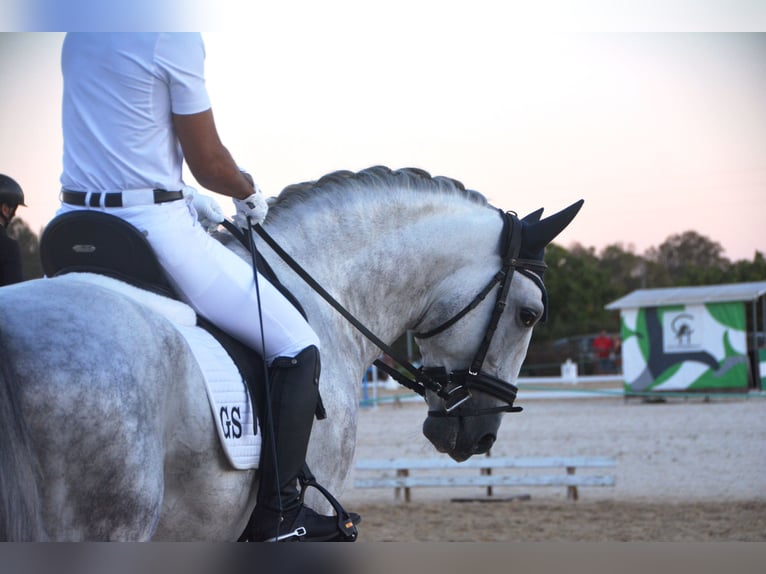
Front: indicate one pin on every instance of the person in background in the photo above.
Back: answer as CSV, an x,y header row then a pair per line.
x,y
603,347
11,196
136,106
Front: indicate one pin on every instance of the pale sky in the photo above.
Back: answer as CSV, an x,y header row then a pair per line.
x,y
659,133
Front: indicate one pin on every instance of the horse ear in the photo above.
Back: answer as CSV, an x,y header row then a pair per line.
x,y
533,217
536,235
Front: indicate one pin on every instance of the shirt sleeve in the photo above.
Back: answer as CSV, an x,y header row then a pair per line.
x,y
181,59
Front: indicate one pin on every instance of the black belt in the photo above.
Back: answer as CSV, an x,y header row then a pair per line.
x,y
114,199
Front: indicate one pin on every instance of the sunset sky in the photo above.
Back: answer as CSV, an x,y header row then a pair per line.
x,y
659,132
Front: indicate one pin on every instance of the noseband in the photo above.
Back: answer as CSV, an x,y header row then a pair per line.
x,y
454,387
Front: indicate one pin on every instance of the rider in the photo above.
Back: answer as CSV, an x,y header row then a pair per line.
x,y
11,197
135,107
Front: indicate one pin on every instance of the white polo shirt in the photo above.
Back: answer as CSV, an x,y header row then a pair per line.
x,y
119,93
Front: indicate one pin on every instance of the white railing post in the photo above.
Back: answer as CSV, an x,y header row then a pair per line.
x,y
569,372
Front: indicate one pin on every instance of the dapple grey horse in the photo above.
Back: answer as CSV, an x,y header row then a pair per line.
x,y
105,428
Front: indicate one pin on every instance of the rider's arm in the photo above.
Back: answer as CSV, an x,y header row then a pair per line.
x,y
210,162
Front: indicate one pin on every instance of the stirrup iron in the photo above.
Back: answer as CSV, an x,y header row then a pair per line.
x,y
347,531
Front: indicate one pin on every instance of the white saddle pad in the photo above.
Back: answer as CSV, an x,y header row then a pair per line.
x,y
232,409
235,420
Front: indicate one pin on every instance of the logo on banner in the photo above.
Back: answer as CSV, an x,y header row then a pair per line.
x,y
682,331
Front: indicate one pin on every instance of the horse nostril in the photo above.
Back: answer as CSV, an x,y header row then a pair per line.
x,y
485,443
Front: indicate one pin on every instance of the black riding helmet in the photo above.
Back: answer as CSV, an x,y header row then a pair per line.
x,y
10,191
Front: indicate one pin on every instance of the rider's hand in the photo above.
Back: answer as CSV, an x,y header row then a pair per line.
x,y
253,208
209,213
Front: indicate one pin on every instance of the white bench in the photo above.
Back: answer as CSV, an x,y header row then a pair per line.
x,y
486,465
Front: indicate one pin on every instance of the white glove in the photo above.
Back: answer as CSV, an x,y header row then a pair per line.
x,y
254,208
209,213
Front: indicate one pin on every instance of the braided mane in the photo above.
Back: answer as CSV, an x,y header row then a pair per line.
x,y
374,180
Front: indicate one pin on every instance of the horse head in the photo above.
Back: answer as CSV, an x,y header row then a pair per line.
x,y
475,344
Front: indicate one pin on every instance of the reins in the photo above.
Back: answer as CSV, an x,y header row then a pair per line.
x,y
417,384
453,387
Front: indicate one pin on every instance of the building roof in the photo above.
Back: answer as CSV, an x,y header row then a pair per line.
x,y
690,295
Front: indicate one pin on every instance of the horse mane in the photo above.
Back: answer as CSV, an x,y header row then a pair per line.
x,y
374,180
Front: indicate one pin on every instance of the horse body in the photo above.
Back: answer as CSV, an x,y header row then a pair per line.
x,y
116,414
105,426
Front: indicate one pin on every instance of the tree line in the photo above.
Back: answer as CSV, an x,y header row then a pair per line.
x,y
29,244
581,281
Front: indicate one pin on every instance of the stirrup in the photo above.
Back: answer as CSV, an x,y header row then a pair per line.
x,y
346,524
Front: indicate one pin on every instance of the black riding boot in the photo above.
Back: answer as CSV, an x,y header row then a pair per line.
x,y
279,513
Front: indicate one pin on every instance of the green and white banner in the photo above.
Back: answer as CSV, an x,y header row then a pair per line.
x,y
684,347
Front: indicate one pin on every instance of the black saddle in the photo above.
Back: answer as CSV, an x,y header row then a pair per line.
x,y
96,242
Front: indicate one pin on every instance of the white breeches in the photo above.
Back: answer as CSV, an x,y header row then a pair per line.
x,y
216,282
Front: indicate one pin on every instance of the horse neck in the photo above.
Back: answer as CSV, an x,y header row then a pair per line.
x,y
385,264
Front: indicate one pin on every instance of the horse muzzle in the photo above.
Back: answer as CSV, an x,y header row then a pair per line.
x,y
462,438
469,418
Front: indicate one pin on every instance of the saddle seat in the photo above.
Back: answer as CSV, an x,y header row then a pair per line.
x,y
96,242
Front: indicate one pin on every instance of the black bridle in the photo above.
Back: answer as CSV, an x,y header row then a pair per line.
x,y
453,387
461,382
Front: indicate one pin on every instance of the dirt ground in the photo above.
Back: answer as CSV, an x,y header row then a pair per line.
x,y
688,471
550,521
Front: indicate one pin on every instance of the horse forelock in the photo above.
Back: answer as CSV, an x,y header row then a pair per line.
x,y
338,188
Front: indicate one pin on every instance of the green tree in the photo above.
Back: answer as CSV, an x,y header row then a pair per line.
x,y
743,270
29,244
688,258
626,269
578,287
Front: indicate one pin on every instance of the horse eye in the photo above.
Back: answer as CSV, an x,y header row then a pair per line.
x,y
528,316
